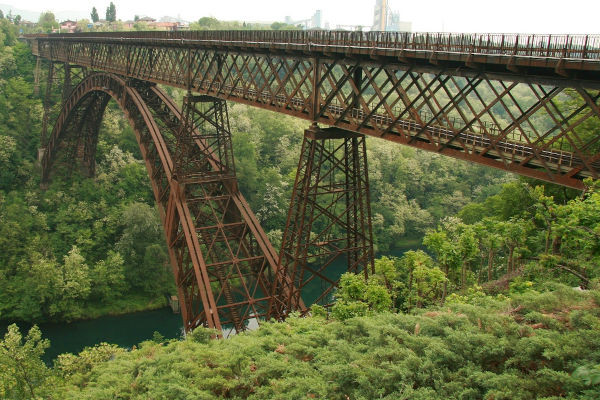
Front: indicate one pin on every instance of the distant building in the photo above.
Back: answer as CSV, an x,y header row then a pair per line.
x,y
316,20
146,19
68,26
395,25
380,15
27,24
386,20
165,26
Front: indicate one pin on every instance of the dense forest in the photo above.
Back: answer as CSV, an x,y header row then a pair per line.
x,y
483,306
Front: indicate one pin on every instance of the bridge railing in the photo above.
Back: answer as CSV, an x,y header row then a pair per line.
x,y
554,46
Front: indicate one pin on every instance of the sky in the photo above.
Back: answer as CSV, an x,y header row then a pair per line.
x,y
506,16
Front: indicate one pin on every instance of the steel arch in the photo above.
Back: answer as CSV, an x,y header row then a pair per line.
x,y
204,286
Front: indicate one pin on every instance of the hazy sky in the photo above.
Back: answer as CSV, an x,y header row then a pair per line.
x,y
529,16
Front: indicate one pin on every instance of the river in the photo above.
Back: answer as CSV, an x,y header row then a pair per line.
x,y
124,330
128,330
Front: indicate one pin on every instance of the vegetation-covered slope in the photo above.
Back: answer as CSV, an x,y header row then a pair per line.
x,y
524,346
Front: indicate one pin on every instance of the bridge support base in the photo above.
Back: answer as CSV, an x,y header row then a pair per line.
x,y
328,228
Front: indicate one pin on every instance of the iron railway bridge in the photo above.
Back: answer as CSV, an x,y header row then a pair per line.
x,y
528,104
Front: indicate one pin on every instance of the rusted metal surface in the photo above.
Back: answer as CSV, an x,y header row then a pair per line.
x,y
329,219
529,50
528,104
222,262
59,75
525,104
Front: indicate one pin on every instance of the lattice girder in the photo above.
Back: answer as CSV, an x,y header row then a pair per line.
x,y
537,122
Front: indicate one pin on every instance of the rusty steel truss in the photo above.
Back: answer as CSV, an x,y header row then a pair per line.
x,y
329,220
222,262
528,104
525,104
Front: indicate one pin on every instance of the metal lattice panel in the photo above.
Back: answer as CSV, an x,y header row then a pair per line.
x,y
525,104
329,219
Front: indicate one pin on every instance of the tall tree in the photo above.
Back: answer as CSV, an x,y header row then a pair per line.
x,y
514,234
490,241
22,371
467,250
94,15
425,281
47,22
111,12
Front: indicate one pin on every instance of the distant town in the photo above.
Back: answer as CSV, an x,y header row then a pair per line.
x,y
384,19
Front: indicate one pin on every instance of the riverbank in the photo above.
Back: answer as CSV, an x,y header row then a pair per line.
x,y
126,330
133,303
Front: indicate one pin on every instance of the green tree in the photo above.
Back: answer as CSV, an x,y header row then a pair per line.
x,y
141,245
47,22
514,233
8,33
109,278
74,286
387,271
490,241
577,235
94,15
455,246
467,250
442,246
422,281
357,297
83,25
111,13
208,23
36,285
156,275
22,371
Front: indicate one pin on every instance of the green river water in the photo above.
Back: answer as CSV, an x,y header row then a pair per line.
x,y
130,329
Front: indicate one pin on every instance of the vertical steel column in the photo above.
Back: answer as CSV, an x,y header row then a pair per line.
x,y
67,84
36,75
47,103
70,76
329,219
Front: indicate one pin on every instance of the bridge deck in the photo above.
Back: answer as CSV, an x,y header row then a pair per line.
x,y
457,94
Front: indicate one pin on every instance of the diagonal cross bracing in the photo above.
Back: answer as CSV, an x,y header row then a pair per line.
x,y
463,95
